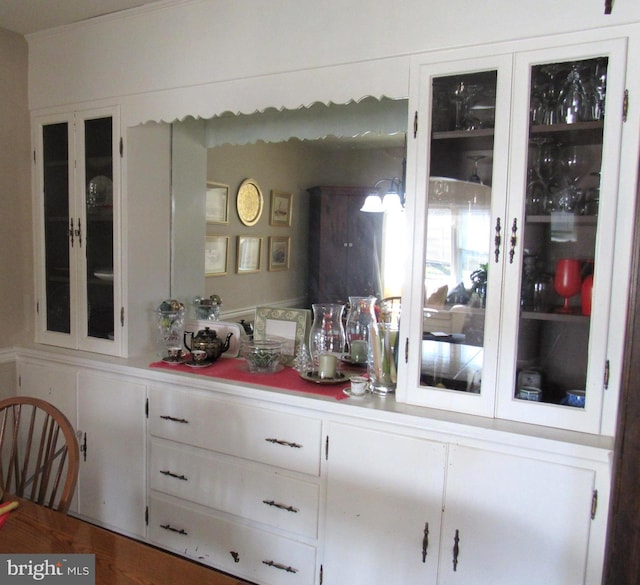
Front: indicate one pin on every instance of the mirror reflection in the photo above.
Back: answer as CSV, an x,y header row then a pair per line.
x,y
321,163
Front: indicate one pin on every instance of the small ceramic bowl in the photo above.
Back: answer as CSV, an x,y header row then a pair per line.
x,y
575,398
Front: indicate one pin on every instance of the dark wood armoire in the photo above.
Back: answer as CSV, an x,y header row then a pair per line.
x,y
345,245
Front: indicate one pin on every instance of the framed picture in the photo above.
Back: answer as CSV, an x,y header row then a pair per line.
x,y
279,252
280,208
216,255
249,251
289,324
217,203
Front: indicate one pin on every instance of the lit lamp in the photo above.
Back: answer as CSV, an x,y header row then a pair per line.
x,y
391,201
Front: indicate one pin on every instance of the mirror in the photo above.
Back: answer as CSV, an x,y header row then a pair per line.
x,y
286,153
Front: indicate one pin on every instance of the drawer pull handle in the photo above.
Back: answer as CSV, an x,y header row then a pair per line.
x,y
172,529
173,419
285,443
280,566
281,506
171,474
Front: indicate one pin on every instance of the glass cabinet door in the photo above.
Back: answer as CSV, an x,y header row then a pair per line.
x,y
564,201
56,180
76,164
461,221
97,141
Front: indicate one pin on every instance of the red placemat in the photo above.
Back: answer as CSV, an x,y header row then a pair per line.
x,y
235,369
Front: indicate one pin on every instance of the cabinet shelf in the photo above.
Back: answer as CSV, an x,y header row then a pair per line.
x,y
557,317
578,219
576,134
474,139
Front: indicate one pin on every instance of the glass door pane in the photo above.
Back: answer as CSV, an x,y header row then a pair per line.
x,y
458,231
98,142
567,104
55,138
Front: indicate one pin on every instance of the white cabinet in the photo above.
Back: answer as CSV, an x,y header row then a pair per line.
x,y
111,423
77,195
404,509
511,518
516,167
234,485
384,507
108,412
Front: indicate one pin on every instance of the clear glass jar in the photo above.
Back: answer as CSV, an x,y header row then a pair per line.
x,y
359,319
327,332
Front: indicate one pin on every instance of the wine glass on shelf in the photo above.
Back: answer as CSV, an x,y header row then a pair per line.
x,y
475,177
567,281
550,93
537,188
459,98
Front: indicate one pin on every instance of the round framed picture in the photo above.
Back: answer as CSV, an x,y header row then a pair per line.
x,y
249,202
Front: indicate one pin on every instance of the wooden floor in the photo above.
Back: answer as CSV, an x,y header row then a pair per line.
x,y
33,529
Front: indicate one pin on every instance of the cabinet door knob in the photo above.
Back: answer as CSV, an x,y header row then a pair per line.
x,y
456,550
425,542
514,240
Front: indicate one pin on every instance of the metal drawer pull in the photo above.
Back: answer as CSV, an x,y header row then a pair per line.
x,y
172,529
173,419
171,474
281,506
285,443
280,566
456,550
425,542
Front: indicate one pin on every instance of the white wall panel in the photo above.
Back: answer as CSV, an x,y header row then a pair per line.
x,y
178,44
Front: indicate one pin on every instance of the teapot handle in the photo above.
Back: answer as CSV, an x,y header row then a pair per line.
x,y
225,347
185,339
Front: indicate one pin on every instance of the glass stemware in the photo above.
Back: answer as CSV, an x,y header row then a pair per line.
x,y
537,188
567,281
550,94
475,178
573,100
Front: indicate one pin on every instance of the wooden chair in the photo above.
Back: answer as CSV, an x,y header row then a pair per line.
x,y
39,453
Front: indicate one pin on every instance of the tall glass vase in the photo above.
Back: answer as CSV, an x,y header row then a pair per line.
x,y
327,333
359,319
383,360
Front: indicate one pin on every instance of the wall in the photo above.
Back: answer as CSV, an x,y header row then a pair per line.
x,y
16,255
173,50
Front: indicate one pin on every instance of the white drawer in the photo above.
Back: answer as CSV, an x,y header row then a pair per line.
x,y
285,440
241,550
236,487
